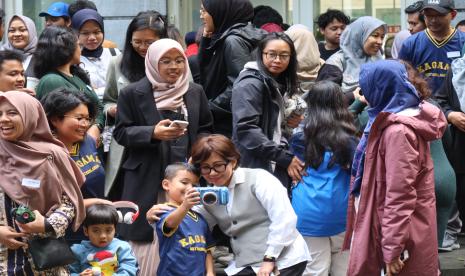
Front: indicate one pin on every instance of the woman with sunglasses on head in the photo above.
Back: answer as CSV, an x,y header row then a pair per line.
x,y
158,119
70,113
95,59
258,104
144,29
56,62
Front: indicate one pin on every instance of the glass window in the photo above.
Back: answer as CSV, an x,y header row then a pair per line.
x,y
388,11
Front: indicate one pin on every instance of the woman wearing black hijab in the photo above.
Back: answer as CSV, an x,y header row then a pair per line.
x,y
227,42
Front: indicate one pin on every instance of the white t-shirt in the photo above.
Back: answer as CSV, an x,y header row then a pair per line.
x,y
97,70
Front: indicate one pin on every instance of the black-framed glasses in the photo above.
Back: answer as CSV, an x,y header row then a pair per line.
x,y
274,56
218,167
81,119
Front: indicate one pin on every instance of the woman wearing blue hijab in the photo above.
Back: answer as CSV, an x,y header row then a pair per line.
x,y
394,179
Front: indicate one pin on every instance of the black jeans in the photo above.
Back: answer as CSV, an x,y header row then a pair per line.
x,y
295,270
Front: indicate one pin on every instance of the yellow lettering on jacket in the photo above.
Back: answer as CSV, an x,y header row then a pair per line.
x,y
191,240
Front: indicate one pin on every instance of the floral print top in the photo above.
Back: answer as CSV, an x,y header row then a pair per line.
x,y
19,262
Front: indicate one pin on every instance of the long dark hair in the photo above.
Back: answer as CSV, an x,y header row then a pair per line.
x,y
56,47
328,126
290,74
132,64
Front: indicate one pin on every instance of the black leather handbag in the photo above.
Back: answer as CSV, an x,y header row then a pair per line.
x,y
50,252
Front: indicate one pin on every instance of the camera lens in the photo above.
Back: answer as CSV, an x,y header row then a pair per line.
x,y
209,198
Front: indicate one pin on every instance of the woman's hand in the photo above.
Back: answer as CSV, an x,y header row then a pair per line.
x,y
36,226
8,237
94,132
294,120
112,111
153,214
164,132
266,268
295,169
394,267
359,96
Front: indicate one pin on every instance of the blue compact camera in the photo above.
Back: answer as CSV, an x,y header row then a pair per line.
x,y
213,195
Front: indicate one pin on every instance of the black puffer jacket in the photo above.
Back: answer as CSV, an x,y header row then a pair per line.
x,y
255,116
221,61
454,143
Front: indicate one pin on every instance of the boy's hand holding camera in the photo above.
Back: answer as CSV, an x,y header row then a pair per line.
x,y
191,198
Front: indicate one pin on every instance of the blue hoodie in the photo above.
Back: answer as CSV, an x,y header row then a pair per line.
x,y
116,257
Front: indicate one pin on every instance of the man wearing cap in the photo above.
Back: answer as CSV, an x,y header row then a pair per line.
x,y
431,51
57,15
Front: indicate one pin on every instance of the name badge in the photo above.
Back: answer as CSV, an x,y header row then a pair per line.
x,y
454,54
31,183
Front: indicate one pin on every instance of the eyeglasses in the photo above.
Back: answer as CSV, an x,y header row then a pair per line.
x,y
274,56
176,62
87,34
219,168
80,119
139,43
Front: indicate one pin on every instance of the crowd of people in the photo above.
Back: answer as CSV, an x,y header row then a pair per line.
x,y
339,157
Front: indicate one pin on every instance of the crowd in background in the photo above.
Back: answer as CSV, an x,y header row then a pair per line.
x,y
339,157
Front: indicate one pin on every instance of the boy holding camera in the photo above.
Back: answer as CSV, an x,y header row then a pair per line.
x,y
182,233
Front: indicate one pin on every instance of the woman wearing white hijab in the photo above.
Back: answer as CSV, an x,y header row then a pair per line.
x,y
22,37
361,42
145,112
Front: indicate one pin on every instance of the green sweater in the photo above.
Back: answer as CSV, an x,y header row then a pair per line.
x,y
52,81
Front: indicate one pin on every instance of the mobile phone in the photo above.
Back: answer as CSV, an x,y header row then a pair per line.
x,y
179,124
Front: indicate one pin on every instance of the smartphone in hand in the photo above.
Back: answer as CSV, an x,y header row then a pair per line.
x,y
179,124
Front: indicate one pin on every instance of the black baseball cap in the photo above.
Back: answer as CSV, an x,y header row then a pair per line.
x,y
441,6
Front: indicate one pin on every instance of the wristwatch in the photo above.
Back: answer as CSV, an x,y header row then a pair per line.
x,y
270,259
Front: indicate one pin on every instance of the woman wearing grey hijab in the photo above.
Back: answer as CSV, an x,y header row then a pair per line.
x,y
361,42
22,37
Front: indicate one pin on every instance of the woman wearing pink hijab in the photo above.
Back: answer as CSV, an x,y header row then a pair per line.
x,y
36,171
144,125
